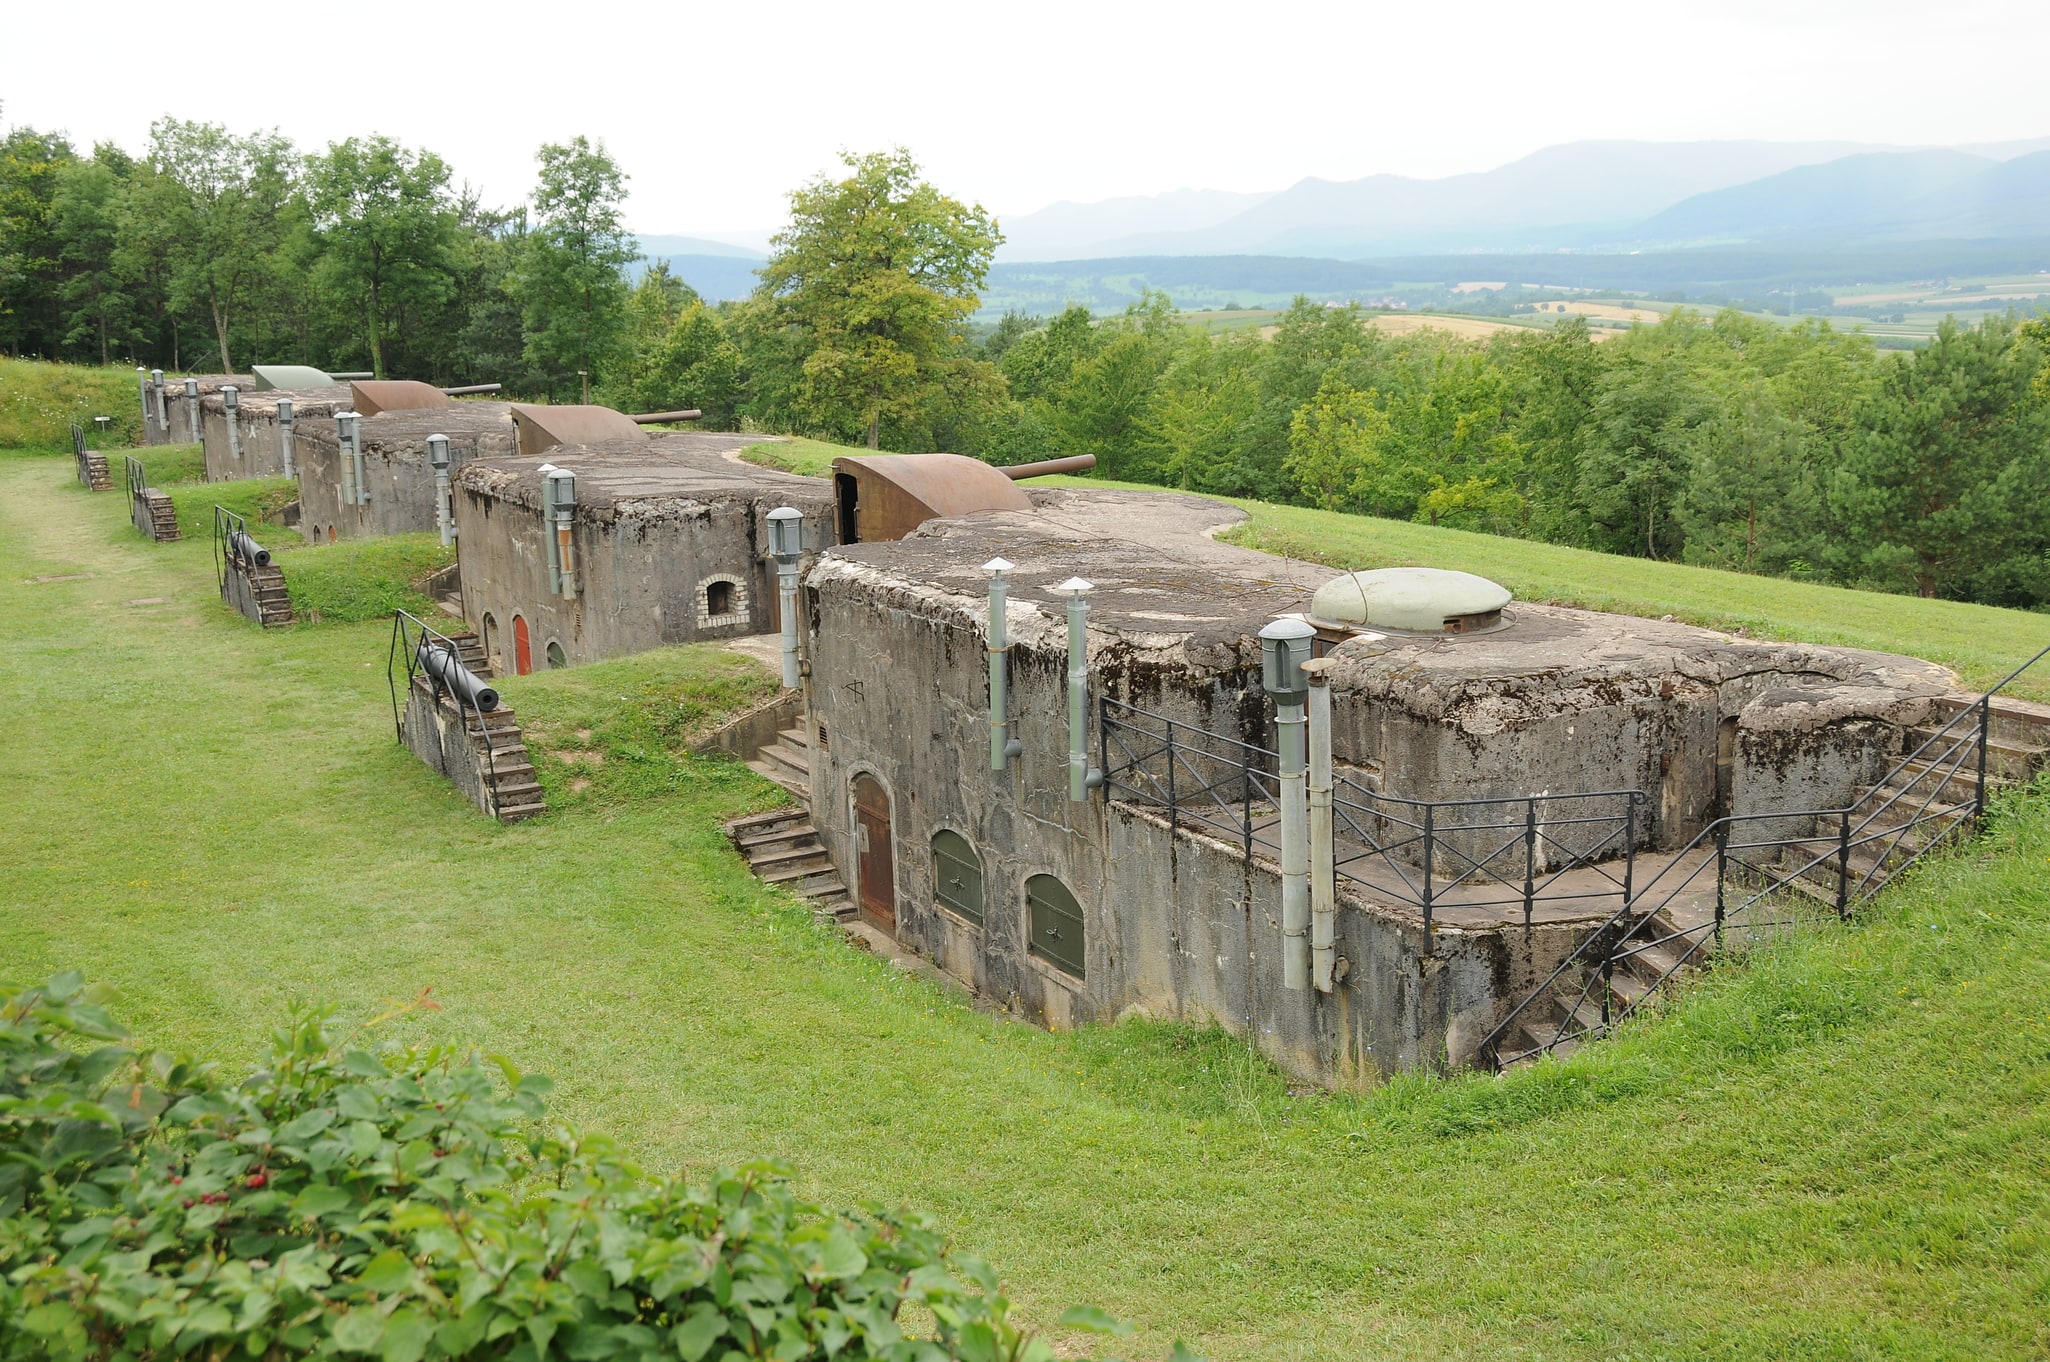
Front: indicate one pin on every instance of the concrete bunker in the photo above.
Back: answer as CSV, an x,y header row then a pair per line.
x,y
374,475
171,406
598,550
1143,782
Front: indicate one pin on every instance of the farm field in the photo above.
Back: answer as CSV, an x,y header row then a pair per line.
x,y
1837,1151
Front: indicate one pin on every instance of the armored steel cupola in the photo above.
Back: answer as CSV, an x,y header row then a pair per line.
x,y
1285,645
1411,601
786,532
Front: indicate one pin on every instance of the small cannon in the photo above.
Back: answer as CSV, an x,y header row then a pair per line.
x,y
448,670
248,550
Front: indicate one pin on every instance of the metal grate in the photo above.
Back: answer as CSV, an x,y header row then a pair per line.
x,y
1055,921
957,876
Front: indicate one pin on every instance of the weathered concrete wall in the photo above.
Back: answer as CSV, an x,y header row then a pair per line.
x,y
238,592
395,467
647,562
435,732
758,726
260,435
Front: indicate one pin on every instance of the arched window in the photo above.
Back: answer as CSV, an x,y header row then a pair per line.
x,y
556,657
722,601
957,876
1054,921
718,598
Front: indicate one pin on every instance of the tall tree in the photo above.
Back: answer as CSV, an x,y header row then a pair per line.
x,y
572,293
1948,490
30,165
869,291
386,225
218,206
87,210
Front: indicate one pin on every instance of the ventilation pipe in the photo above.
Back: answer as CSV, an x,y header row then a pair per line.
x,y
285,435
349,437
559,508
1002,746
231,402
786,543
142,391
444,504
192,410
1284,647
156,382
1081,780
1323,866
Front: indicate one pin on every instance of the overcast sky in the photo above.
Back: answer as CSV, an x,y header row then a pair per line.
x,y
716,112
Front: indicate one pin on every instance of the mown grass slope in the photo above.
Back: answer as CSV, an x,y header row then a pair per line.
x,y
1841,1151
39,401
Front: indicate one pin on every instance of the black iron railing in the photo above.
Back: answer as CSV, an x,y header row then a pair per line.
x,y
1524,851
138,476
411,639
231,538
1771,873
79,452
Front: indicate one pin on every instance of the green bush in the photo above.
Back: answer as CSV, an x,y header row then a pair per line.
x,y
410,1204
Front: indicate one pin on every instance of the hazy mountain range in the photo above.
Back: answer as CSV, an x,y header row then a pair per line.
x,y
1581,197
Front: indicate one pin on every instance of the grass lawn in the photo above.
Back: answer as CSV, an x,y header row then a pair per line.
x,y
1839,1151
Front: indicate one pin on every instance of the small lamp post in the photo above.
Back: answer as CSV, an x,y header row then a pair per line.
x,y
786,546
1285,645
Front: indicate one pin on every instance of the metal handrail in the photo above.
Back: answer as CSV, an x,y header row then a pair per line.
x,y
407,644
138,476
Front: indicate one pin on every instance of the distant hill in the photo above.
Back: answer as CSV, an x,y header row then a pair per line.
x,y
1067,231
1554,197
697,245
717,278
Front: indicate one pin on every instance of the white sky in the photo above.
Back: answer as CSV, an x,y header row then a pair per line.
x,y
717,111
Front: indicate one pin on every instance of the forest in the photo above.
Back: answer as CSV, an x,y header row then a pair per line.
x,y
1727,441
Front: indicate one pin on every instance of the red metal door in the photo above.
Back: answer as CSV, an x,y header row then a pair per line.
x,y
523,650
875,864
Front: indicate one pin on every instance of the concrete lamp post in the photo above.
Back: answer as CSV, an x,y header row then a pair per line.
x,y
1081,779
1285,645
444,505
786,546
1002,746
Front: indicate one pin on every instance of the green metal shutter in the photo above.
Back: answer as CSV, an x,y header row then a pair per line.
x,y
957,876
1055,921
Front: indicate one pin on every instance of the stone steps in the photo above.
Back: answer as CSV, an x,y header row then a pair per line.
x,y
782,847
787,761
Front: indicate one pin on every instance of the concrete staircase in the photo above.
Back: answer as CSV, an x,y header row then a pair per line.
x,y
1633,978
156,517
787,761
783,847
502,753
273,602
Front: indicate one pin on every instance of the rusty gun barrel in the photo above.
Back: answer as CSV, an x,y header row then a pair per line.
x,y
1075,463
656,418
469,388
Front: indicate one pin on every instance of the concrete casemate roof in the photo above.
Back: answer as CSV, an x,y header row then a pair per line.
x,y
306,402
270,376
209,383
1163,585
682,468
466,419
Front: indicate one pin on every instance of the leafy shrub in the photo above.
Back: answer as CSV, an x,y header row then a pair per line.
x,y
412,1204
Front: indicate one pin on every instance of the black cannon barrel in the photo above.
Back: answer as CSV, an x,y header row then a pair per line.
x,y
445,667
468,388
247,549
656,418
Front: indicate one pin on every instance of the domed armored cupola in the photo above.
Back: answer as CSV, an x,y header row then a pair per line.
x,y
1410,601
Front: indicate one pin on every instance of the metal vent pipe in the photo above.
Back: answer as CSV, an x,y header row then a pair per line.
x,y
1002,746
1081,779
231,403
192,410
786,544
444,506
285,435
559,502
1323,867
348,440
163,409
1284,647
142,391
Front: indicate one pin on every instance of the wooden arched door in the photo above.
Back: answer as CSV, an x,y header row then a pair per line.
x,y
523,647
875,864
